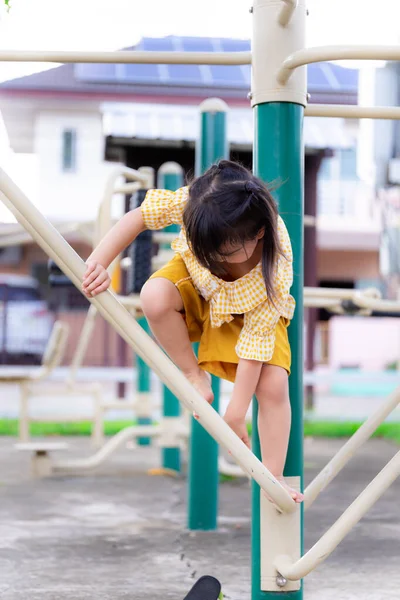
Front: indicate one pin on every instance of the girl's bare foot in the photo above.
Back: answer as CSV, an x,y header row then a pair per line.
x,y
297,496
201,381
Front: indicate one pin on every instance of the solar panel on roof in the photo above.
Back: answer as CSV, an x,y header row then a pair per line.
x,y
228,76
228,45
148,73
239,77
165,44
197,44
184,74
316,77
348,78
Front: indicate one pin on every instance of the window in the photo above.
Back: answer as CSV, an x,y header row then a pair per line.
x,y
325,169
69,150
348,163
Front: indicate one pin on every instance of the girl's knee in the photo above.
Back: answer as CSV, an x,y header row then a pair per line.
x,y
273,385
158,297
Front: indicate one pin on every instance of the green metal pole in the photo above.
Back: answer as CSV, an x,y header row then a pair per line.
x,y
143,384
278,154
203,458
170,177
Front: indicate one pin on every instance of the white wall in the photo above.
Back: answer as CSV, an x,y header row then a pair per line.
x,y
76,194
370,342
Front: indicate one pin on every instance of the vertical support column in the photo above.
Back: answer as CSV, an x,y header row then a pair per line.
x,y
143,384
310,264
143,387
170,177
278,155
203,459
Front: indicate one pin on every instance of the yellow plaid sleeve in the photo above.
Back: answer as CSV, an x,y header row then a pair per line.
x,y
161,208
257,338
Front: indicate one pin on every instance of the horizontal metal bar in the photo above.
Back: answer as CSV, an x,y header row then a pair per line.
x,y
287,11
108,306
127,57
387,306
310,302
341,294
347,451
328,542
352,112
108,449
325,53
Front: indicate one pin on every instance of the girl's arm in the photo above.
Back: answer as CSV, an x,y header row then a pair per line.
x,y
118,238
247,377
96,279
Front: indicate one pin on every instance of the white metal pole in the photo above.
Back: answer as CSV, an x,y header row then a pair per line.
x,y
128,57
107,304
325,546
104,223
108,449
305,56
337,463
329,303
341,294
352,112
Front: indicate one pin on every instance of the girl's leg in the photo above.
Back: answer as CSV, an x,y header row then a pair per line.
x,y
274,419
162,305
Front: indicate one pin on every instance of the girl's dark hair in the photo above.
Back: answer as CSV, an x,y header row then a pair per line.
x,y
229,205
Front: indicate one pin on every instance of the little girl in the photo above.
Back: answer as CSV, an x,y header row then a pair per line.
x,y
227,287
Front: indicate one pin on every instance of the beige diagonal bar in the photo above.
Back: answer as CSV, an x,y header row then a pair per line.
x,y
327,544
349,449
325,53
127,57
106,303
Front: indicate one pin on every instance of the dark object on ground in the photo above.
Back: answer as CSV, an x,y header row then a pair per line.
x,y
205,588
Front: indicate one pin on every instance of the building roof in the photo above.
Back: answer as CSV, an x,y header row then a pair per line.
x,y
327,82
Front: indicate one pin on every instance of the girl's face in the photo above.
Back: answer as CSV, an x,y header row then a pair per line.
x,y
235,253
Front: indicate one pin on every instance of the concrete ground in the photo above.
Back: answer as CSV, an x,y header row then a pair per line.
x,y
119,534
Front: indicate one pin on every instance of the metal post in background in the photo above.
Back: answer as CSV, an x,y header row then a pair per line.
x,y
140,253
203,460
170,177
310,265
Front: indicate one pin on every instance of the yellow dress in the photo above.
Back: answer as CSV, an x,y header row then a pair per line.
x,y
229,319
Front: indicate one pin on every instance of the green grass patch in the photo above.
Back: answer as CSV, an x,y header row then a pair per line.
x,y
83,428
345,429
323,429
